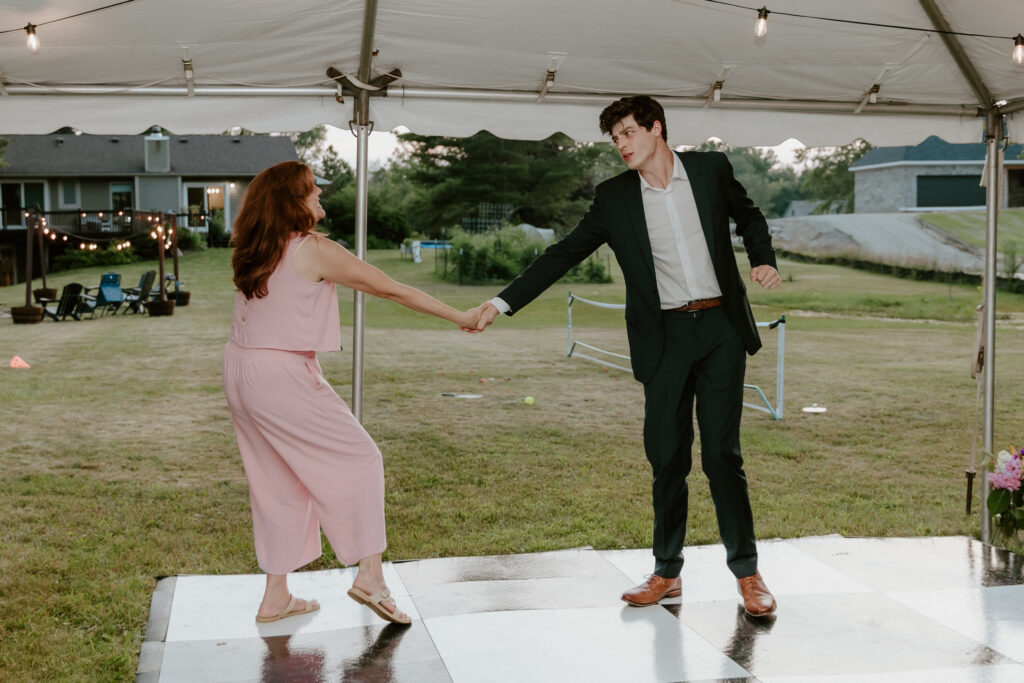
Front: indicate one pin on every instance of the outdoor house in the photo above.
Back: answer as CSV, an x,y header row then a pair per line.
x,y
932,175
100,185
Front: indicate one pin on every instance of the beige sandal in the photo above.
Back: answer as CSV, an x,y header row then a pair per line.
x,y
373,602
290,611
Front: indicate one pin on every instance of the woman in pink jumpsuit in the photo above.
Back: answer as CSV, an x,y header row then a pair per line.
x,y
309,462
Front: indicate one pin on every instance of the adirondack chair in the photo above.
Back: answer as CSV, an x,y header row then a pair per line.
x,y
135,298
168,283
67,304
108,296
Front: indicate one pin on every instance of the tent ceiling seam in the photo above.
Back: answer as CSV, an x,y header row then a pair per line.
x,y
956,51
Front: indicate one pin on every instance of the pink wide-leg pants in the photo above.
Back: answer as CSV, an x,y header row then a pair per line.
x,y
309,462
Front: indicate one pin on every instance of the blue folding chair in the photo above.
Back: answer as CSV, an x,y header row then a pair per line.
x,y
108,296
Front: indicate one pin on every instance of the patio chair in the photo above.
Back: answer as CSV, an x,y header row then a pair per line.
x,y
108,296
67,304
135,298
167,284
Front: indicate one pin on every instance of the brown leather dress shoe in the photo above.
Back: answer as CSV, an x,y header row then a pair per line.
x,y
652,590
757,599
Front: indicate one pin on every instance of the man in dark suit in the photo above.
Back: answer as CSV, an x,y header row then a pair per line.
x,y
688,322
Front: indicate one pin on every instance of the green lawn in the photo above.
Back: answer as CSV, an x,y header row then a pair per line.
x,y
118,463
969,226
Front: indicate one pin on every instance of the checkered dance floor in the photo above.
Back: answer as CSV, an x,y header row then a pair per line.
x,y
850,609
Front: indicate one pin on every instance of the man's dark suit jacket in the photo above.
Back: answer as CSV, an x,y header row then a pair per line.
x,y
616,217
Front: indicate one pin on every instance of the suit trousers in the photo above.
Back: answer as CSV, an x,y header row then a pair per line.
x,y
703,360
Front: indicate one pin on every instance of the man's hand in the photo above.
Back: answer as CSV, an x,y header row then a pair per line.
x,y
487,315
766,276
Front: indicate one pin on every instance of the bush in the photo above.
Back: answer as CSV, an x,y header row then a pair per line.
x,y
70,259
386,225
591,271
188,240
372,241
217,233
500,255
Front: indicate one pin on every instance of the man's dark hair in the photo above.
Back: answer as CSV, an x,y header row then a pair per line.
x,y
644,109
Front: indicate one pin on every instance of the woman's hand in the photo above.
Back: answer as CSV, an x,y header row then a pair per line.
x,y
469,320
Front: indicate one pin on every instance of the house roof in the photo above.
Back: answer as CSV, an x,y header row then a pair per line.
x,y
933,149
105,155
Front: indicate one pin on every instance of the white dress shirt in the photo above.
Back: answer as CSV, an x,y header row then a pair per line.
x,y
682,262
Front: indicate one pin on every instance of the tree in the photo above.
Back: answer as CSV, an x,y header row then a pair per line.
x,y
390,200
770,186
549,183
309,145
829,180
334,168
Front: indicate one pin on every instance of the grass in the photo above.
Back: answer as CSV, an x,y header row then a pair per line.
x,y
118,463
969,226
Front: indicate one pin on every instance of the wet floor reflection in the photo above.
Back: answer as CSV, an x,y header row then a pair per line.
x,y
285,663
742,647
994,566
376,661
282,663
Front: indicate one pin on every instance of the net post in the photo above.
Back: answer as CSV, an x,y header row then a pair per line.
x,y
781,367
568,343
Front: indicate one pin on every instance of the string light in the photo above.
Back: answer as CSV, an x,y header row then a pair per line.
x,y
761,25
33,39
30,28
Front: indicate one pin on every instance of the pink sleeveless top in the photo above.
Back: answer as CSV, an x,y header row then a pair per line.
x,y
295,315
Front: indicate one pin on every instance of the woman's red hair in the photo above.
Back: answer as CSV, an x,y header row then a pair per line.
x,y
272,209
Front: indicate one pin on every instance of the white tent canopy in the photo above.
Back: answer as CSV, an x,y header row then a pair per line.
x,y
469,65
827,72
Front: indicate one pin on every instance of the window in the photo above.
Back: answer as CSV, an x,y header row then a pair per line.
x,y
16,197
69,194
121,197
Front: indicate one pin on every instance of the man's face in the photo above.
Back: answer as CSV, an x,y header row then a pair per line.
x,y
635,144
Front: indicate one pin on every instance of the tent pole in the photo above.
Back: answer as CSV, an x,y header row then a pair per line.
x,y
362,127
362,135
993,123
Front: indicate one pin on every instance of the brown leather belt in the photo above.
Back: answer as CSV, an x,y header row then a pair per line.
x,y
698,305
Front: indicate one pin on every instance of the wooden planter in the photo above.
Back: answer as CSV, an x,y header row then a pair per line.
x,y
44,293
27,315
158,307
183,297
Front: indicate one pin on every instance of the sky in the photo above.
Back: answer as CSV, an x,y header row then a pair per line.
x,y
382,144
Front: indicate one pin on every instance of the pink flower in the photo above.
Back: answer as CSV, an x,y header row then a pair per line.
x,y
1007,474
1008,481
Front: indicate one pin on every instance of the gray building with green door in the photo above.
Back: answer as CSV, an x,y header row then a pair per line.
x,y
932,175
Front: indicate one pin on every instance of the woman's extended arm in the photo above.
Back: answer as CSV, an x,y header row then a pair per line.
x,y
324,259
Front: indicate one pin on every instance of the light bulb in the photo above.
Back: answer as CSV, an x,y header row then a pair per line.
x,y
761,25
1018,49
33,39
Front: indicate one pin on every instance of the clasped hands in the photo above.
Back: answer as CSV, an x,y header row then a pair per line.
x,y
477,319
